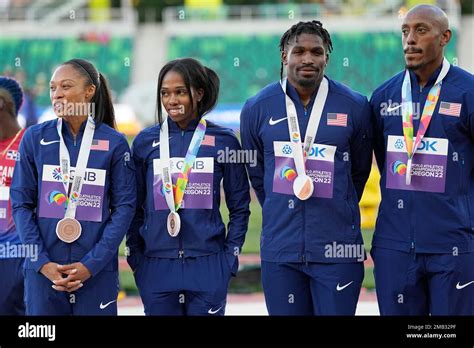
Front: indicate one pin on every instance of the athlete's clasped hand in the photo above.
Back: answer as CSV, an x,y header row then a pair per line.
x,y
66,277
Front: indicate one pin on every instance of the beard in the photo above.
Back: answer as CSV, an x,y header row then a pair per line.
x,y
413,67
307,82
426,60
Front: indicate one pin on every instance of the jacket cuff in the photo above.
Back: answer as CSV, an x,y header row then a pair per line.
x,y
233,262
93,266
42,260
134,260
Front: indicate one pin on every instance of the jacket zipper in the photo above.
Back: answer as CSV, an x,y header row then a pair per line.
x,y
304,235
412,229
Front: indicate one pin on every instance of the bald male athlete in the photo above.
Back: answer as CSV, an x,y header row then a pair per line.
x,y
423,247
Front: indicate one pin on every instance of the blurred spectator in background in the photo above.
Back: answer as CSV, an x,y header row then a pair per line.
x,y
29,108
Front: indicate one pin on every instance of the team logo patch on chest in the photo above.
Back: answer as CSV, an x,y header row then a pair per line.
x,y
199,190
319,167
428,168
54,199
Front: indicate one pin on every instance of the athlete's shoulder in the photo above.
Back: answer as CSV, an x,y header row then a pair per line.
x,y
37,130
347,93
227,134
113,136
265,95
460,79
146,137
393,82
40,127
146,133
109,132
218,129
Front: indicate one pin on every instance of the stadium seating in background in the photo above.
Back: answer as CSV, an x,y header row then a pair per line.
x,y
37,58
245,64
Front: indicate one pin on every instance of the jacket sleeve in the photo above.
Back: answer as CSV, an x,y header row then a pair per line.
x,y
135,243
24,200
471,125
252,143
237,196
122,200
467,112
378,142
361,149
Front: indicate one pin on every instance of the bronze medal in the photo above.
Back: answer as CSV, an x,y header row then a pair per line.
x,y
68,230
173,224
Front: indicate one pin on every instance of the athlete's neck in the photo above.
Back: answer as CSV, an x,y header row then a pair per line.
x,y
75,123
424,73
305,93
183,124
9,126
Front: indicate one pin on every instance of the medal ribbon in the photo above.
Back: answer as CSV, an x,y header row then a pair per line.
x,y
175,200
300,154
81,165
407,113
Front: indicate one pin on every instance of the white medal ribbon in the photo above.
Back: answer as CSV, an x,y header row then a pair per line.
x,y
173,221
166,166
81,165
300,153
408,173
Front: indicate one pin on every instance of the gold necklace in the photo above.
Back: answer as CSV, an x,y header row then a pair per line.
x,y
3,153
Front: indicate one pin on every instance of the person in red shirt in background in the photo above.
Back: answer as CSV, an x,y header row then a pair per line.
x,y
11,250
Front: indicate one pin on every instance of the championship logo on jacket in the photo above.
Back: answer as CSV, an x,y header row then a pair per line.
x,y
319,166
53,200
428,168
199,191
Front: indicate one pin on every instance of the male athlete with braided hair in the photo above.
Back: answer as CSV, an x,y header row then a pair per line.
x,y
303,27
313,143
